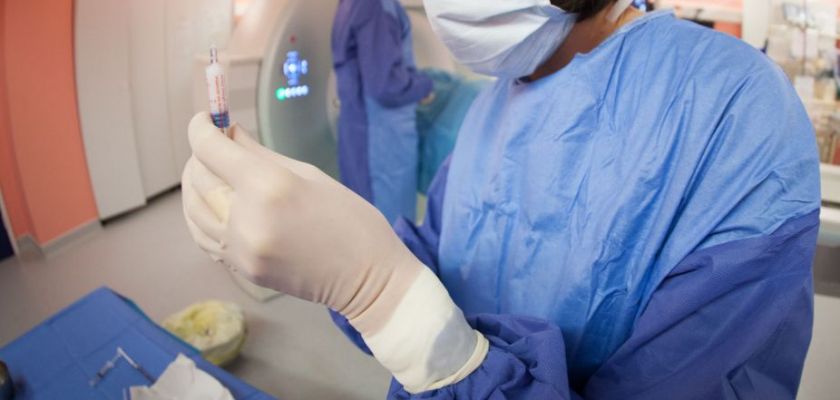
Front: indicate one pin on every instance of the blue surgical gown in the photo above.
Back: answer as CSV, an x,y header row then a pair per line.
x,y
638,225
379,88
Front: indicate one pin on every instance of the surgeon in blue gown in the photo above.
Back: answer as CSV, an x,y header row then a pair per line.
x,y
639,224
630,212
379,88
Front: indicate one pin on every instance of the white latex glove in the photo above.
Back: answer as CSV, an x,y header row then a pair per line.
x,y
286,225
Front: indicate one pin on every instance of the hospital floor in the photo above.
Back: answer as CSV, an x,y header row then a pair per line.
x,y
292,351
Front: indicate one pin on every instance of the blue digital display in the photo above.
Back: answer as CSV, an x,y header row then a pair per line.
x,y
295,68
285,93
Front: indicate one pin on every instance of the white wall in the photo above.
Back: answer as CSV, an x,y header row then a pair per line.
x,y
150,103
105,107
756,14
134,77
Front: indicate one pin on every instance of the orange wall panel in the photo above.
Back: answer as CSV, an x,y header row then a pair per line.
x,y
40,83
9,177
730,28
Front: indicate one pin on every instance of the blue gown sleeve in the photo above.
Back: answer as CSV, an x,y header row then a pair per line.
x,y
731,321
387,76
422,241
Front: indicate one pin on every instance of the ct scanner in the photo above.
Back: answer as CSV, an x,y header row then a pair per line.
x,y
281,87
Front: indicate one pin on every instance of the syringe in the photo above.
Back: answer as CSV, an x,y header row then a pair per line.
x,y
217,93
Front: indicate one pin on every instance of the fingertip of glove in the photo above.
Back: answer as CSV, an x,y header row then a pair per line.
x,y
198,125
238,134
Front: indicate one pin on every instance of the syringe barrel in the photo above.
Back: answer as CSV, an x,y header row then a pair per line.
x,y
217,94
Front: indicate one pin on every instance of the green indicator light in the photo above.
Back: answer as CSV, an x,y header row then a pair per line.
x,y
281,94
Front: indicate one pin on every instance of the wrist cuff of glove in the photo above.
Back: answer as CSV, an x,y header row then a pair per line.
x,y
427,343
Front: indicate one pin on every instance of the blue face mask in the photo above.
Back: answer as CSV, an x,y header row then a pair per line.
x,y
503,38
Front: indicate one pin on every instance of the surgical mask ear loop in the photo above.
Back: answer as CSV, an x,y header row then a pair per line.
x,y
618,9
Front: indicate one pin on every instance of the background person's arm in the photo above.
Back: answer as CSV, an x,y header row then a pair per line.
x,y
386,75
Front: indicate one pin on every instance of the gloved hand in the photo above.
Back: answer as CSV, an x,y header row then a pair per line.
x,y
428,99
288,226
